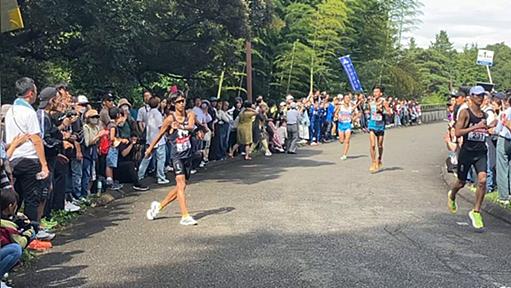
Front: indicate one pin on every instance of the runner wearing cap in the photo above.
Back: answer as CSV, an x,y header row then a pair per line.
x,y
179,125
376,127
471,125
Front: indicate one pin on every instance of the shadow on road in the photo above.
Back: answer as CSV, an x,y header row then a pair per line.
x,y
200,214
389,169
357,156
380,256
260,169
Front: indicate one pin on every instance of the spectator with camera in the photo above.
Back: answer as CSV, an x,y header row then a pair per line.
x,y
16,233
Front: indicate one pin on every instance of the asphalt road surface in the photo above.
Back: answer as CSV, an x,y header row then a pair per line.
x,y
306,220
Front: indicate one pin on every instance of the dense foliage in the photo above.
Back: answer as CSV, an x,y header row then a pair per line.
x,y
126,46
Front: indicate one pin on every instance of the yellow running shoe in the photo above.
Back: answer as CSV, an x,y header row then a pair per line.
x,y
453,207
476,218
374,167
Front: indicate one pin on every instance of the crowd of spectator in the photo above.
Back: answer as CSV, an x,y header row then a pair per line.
x,y
54,157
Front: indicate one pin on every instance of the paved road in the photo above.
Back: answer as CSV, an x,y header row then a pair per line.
x,y
304,221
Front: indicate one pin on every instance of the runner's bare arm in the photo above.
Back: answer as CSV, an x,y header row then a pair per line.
x,y
165,126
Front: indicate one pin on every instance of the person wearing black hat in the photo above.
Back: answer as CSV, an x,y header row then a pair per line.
x,y
104,115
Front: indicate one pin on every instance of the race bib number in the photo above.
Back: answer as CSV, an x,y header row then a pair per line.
x,y
477,136
377,117
183,143
345,117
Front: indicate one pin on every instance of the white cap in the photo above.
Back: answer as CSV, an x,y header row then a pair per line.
x,y
82,100
290,98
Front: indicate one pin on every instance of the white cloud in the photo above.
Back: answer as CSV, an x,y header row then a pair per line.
x,y
480,22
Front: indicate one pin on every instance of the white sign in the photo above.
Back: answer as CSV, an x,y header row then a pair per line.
x,y
485,57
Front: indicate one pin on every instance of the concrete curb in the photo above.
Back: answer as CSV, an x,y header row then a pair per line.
x,y
489,207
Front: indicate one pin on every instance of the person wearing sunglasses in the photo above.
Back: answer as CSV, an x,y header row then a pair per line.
x,y
179,125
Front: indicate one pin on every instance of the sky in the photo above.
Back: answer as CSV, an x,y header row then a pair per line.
x,y
481,22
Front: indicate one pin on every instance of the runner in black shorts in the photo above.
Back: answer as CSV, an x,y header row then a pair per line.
x,y
180,126
471,125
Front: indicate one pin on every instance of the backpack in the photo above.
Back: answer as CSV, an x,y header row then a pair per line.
x,y
104,144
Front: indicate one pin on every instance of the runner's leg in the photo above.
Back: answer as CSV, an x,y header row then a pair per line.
x,y
181,186
347,142
341,136
171,196
380,148
372,146
481,190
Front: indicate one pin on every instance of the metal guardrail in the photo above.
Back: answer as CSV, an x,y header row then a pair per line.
x,y
433,107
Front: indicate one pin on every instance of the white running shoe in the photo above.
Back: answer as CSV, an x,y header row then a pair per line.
x,y
44,235
163,181
344,157
188,221
4,285
169,169
268,154
70,207
193,171
153,211
202,164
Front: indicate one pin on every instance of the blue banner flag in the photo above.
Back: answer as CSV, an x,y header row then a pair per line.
x,y
356,86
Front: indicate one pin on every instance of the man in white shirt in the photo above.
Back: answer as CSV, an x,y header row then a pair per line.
x,y
197,101
154,123
28,160
142,112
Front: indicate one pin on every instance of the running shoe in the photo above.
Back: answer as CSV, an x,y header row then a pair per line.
x,y
268,154
202,164
44,235
153,211
188,221
116,186
70,207
163,181
374,167
453,207
4,285
504,203
344,157
193,171
169,169
140,187
476,218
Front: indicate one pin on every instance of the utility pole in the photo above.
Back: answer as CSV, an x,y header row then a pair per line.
x,y
248,52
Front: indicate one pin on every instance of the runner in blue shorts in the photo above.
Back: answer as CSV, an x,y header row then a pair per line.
x,y
376,127
345,114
